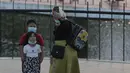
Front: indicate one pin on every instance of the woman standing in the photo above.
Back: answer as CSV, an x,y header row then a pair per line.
x,y
63,57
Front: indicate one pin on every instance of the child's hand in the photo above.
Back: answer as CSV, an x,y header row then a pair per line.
x,y
41,60
22,59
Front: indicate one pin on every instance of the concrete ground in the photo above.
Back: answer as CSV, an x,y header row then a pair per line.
x,y
14,66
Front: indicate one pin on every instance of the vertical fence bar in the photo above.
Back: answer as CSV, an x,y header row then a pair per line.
x,y
0,30
13,4
55,2
92,2
38,21
77,1
99,30
126,3
75,9
111,32
0,3
124,32
13,43
0,33
25,17
25,3
87,27
101,2
63,4
50,29
37,13
37,4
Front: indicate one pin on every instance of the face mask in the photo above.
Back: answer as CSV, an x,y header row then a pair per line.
x,y
31,42
57,22
32,29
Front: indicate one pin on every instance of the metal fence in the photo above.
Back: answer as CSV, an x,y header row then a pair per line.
x,y
13,25
108,29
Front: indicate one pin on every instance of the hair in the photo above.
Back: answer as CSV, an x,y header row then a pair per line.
x,y
61,14
31,21
28,35
56,8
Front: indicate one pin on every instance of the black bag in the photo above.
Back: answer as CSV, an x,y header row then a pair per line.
x,y
58,52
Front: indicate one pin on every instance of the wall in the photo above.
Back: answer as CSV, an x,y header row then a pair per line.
x,y
80,3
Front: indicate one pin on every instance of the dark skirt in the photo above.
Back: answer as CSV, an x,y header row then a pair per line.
x,y
31,65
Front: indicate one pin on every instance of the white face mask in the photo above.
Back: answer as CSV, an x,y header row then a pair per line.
x,y
32,43
57,22
32,29
60,14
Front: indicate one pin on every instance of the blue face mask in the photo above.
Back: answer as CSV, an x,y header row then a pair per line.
x,y
32,29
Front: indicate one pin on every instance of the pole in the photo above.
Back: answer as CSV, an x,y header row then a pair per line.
x,y
87,28
124,32
111,32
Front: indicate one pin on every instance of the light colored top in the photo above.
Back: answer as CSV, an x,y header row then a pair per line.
x,y
32,51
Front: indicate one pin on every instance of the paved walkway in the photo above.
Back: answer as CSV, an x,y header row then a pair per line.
x,y
14,66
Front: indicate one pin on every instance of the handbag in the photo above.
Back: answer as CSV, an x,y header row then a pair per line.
x,y
58,52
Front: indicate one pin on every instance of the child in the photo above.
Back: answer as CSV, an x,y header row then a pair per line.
x,y
31,27
31,52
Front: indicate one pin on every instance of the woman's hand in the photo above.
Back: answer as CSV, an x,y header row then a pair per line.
x,y
51,60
